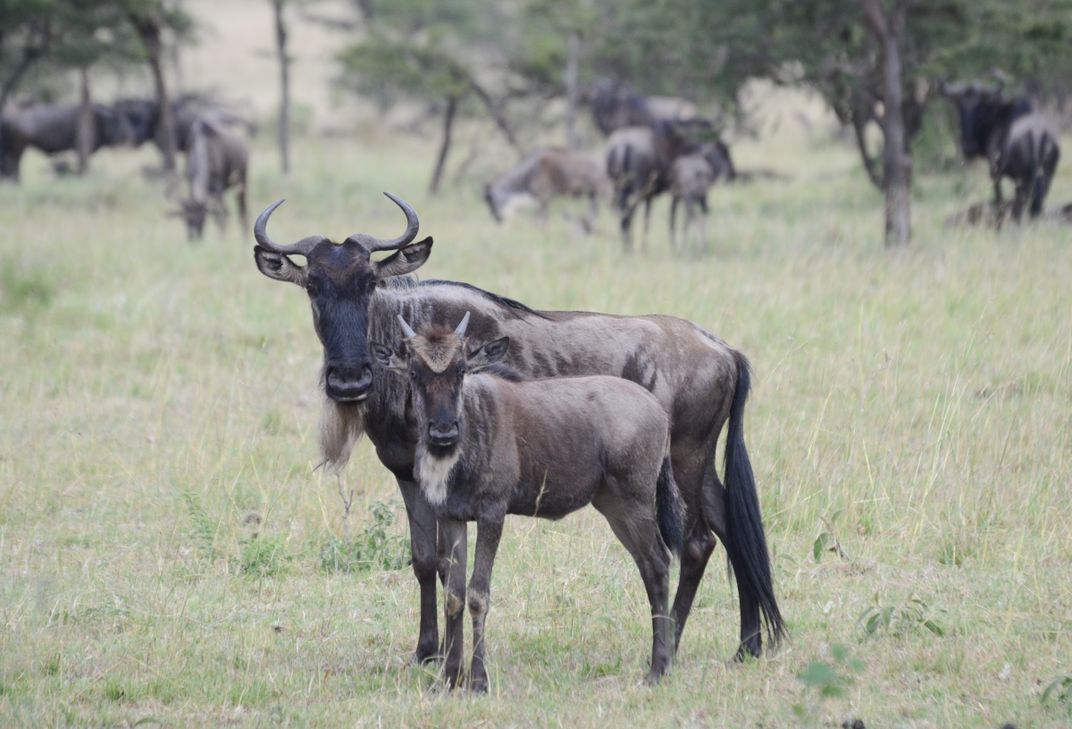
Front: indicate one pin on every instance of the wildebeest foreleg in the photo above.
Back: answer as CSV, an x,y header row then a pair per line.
x,y
454,532
422,538
488,532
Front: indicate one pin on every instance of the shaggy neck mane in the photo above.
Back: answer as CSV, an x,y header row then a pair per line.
x,y
383,413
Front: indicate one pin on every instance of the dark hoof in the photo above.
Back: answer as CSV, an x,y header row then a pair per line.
x,y
478,685
748,649
424,657
452,678
653,678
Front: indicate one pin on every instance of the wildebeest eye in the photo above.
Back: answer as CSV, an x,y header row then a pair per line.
x,y
312,288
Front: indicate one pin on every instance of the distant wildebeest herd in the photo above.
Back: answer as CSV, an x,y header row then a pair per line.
x,y
481,407
216,154
659,144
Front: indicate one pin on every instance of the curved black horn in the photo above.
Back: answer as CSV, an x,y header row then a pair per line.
x,y
463,325
377,244
300,248
406,328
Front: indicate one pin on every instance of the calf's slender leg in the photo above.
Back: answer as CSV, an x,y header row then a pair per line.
x,y
422,539
635,526
454,532
488,533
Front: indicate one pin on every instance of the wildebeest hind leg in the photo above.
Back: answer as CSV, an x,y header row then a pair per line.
x,y
636,527
688,459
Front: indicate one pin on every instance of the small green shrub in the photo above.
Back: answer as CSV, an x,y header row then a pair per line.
x,y
375,547
899,620
263,556
23,289
1059,693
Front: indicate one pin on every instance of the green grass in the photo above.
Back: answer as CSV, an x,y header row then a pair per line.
x,y
169,555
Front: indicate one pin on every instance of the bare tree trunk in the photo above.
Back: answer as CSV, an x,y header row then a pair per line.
x,y
573,53
284,86
148,27
500,120
86,134
897,162
444,147
859,129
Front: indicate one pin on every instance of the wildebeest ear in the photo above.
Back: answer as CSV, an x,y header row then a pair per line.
x,y
405,260
487,355
387,357
277,266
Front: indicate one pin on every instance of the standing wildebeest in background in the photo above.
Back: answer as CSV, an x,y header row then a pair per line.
x,y
639,161
144,117
691,176
547,174
490,445
53,128
1015,140
216,161
616,105
701,383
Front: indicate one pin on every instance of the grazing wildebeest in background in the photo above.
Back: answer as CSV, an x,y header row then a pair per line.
x,y
1016,141
216,161
53,128
701,383
547,174
490,445
616,105
639,161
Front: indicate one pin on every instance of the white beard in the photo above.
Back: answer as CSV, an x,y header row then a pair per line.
x,y
433,474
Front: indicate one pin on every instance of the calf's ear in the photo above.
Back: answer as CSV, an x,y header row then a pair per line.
x,y
279,267
387,357
487,355
405,260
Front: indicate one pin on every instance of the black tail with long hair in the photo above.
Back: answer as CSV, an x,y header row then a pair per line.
x,y
745,542
669,508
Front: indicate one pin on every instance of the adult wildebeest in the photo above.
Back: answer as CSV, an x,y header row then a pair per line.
x,y
616,105
53,128
216,161
1016,141
700,382
143,116
490,445
547,174
639,160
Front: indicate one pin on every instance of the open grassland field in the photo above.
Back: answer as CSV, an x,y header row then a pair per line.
x,y
168,554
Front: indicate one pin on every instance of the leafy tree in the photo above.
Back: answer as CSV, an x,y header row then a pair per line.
x,y
876,62
430,51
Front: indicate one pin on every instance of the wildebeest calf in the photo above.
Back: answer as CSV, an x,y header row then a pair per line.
x,y
547,174
491,445
215,162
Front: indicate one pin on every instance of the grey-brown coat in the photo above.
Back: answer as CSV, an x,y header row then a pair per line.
x,y
548,174
491,446
216,161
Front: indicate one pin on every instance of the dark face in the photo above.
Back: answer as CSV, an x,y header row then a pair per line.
x,y
340,281
140,116
436,366
437,400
